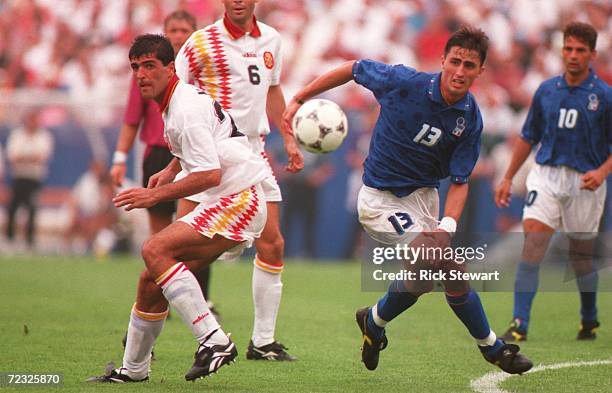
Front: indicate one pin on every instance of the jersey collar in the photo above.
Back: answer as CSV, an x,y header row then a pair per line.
x,y
174,80
236,32
434,94
586,84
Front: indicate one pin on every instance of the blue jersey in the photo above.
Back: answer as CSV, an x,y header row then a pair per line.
x,y
572,124
418,139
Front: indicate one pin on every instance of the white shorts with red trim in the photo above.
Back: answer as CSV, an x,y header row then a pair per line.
x,y
240,217
271,189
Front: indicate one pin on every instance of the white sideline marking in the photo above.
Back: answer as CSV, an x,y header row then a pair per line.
x,y
488,382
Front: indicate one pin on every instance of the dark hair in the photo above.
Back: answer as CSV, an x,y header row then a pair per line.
x,y
469,38
583,32
181,15
152,44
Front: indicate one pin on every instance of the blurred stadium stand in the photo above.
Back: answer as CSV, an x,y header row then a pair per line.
x,y
69,57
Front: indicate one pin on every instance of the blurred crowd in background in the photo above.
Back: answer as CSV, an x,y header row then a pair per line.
x,y
68,60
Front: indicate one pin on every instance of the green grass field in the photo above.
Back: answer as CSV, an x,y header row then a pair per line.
x,y
76,311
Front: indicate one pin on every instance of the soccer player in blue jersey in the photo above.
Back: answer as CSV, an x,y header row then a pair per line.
x,y
571,119
428,129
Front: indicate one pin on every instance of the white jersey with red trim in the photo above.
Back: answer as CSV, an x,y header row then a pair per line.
x,y
203,137
235,68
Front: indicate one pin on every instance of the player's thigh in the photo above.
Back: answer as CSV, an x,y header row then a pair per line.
x,y
181,241
536,239
392,220
581,214
271,232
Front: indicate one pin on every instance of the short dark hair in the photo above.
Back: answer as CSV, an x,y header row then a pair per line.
x,y
152,44
583,32
469,38
181,15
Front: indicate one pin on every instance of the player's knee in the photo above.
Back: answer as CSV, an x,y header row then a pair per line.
x,y
152,250
271,247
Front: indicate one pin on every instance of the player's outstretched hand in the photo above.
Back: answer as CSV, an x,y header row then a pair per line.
x,y
135,198
295,161
503,191
592,179
117,174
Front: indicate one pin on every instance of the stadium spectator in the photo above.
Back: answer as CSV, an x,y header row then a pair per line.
x,y
571,120
29,149
91,210
429,128
237,61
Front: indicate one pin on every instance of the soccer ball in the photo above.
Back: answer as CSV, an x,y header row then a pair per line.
x,y
320,126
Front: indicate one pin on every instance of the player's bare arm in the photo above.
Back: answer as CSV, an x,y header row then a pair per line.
x,y
127,134
334,78
193,183
275,106
595,178
503,191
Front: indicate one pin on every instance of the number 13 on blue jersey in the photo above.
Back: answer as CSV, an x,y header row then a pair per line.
x,y
428,135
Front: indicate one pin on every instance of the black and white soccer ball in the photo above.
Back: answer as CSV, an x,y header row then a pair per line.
x,y
320,126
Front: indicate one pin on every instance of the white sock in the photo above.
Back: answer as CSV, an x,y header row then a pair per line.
x,y
378,321
143,330
183,292
487,341
267,291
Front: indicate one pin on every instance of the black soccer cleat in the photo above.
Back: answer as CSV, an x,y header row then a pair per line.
x,y
273,351
587,330
209,359
371,346
509,359
515,332
112,375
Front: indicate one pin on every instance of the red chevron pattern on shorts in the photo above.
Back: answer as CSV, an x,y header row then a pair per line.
x,y
230,216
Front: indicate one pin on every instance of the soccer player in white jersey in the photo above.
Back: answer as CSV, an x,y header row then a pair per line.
x,y
237,61
216,163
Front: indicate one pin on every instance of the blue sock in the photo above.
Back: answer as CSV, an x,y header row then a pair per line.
x,y
525,288
470,311
395,301
587,284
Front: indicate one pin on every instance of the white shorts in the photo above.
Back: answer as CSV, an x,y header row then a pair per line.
x,y
554,198
240,217
392,220
271,190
